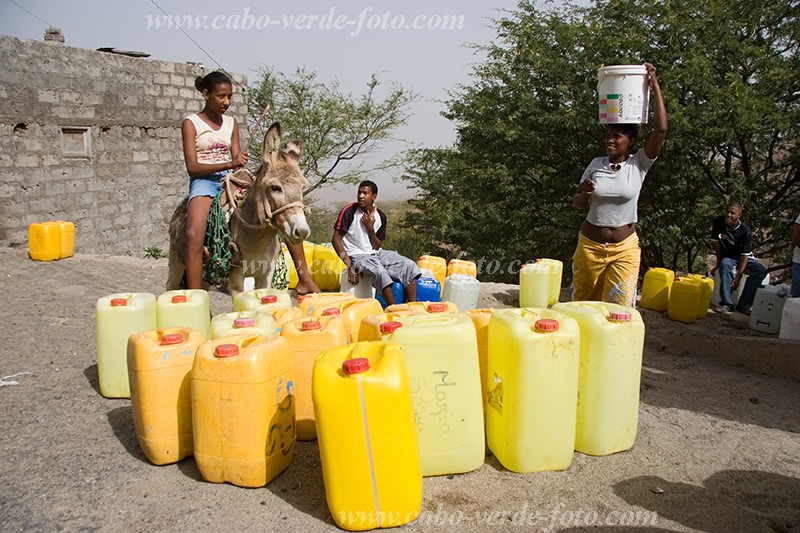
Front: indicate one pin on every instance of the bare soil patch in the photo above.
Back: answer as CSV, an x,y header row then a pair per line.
x,y
718,447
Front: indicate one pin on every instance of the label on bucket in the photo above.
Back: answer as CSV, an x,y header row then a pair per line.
x,y
623,92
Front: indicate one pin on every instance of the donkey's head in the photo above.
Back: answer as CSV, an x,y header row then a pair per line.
x,y
279,186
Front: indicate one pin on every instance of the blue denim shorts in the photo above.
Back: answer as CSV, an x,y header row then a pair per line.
x,y
207,185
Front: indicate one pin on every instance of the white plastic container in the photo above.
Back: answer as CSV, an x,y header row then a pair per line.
x,y
768,307
790,320
715,298
462,290
623,92
363,289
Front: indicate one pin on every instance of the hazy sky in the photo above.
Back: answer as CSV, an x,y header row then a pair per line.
x,y
430,60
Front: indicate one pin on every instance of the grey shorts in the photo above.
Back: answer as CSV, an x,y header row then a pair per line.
x,y
385,267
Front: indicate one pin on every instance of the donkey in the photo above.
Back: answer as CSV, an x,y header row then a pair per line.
x,y
274,203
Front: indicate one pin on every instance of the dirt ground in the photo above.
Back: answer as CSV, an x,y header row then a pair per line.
x,y
718,447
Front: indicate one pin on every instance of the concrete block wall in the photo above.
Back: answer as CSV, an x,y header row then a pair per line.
x,y
122,197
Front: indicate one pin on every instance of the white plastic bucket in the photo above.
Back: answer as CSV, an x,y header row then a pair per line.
x,y
623,93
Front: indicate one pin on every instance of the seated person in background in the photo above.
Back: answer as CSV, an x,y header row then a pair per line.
x,y
359,231
734,250
796,259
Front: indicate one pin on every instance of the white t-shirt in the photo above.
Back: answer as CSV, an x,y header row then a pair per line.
x,y
614,202
796,257
213,146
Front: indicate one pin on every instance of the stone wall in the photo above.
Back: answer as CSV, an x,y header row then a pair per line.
x,y
121,196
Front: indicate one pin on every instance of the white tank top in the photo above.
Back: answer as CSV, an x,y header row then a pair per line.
x,y
213,146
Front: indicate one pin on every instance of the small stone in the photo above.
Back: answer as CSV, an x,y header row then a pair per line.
x,y
657,490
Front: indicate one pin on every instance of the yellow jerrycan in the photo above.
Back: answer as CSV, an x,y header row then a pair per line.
x,y
262,300
243,409
656,287
67,230
370,328
435,264
327,267
707,289
367,438
532,376
118,317
188,308
612,341
480,319
243,323
308,302
461,266
441,358
423,307
352,313
307,337
555,272
534,285
293,277
685,297
159,369
44,241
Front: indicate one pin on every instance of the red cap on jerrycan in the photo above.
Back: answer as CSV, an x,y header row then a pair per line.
x,y
620,316
331,311
171,338
355,366
179,299
437,308
226,350
546,324
309,325
244,322
389,327
269,299
119,302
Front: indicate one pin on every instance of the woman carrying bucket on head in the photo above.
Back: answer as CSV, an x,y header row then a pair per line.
x,y
606,261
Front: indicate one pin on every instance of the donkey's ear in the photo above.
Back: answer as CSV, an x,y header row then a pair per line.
x,y
272,143
295,149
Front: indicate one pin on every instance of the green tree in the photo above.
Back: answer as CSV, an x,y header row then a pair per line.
x,y
527,127
340,131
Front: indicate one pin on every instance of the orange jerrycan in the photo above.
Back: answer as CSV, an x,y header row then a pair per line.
x,y
460,266
243,409
307,337
655,288
261,300
441,356
44,241
327,267
534,285
308,302
437,265
612,341
282,316
370,328
118,317
243,323
532,375
188,308
159,369
480,319
707,289
685,298
367,438
352,313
